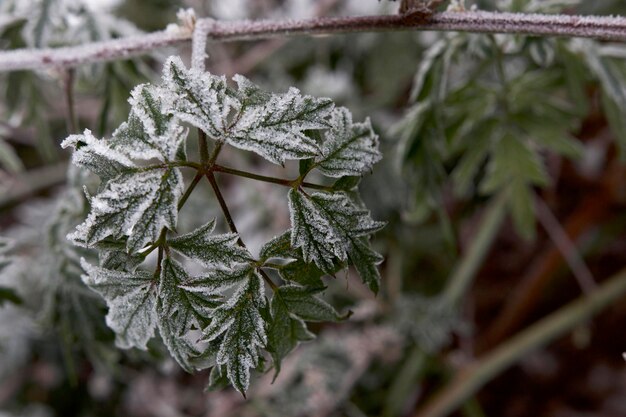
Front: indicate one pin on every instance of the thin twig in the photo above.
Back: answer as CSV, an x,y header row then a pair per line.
x,y
567,248
598,27
263,178
473,377
70,114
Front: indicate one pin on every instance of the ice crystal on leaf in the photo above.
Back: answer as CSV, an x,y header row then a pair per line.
x,y
349,148
149,132
331,227
136,204
242,329
272,125
131,298
209,249
135,211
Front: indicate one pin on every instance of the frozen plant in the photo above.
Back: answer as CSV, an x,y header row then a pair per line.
x,y
135,212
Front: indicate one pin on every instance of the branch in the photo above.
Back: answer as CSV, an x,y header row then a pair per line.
x,y
473,377
605,28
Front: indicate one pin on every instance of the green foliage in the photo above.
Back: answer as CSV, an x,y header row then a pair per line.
x,y
134,212
487,109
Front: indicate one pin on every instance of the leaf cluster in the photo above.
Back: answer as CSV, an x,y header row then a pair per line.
x,y
488,109
222,316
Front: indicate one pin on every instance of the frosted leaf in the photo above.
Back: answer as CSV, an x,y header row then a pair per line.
x,y
180,311
138,204
198,98
131,300
273,125
218,280
304,303
313,231
242,329
97,155
365,259
278,247
5,246
348,148
329,227
284,332
210,250
303,273
355,224
324,225
149,132
113,255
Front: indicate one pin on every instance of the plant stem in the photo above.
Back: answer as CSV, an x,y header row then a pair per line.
x,y
220,198
263,178
71,121
231,224
204,147
466,270
190,189
470,379
599,27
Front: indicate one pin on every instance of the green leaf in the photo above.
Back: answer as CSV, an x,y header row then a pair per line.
x,y
10,295
180,311
131,298
348,148
365,260
242,329
210,250
9,159
272,125
134,204
303,273
304,303
284,332
325,225
149,132
278,247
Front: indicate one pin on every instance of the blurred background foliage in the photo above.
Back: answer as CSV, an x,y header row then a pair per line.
x,y
503,163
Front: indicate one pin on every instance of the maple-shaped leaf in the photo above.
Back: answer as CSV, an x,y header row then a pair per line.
x,y
365,260
348,149
180,311
278,247
325,225
272,125
239,324
150,131
199,98
97,156
131,299
208,249
137,204
290,307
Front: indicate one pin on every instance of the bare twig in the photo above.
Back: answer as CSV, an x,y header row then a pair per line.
x,y
606,28
565,245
